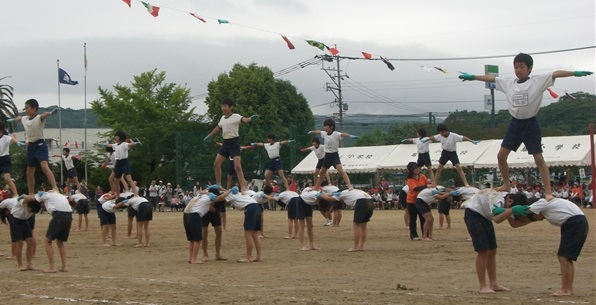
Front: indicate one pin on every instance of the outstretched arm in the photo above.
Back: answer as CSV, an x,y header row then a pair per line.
x,y
314,131
562,73
482,78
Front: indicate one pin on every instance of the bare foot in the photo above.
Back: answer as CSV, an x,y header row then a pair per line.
x,y
262,236
439,228
64,270
562,293
287,237
244,260
77,230
498,287
313,247
49,271
106,245
138,246
205,258
304,248
485,290
221,258
86,229
115,244
198,261
30,267
257,260
352,250
23,269
427,239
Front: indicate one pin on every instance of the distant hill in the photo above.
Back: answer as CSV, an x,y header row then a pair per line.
x,y
73,118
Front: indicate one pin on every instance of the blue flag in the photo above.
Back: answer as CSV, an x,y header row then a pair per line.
x,y
64,78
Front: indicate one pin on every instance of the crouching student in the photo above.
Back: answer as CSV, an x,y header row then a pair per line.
x,y
290,198
59,227
478,218
21,216
262,197
363,206
252,221
308,198
144,211
574,231
107,220
197,208
81,204
213,217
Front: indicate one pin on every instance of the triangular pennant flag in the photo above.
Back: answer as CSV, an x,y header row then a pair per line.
x,y
552,93
389,65
569,95
441,69
153,10
367,55
198,17
316,44
290,45
333,51
425,68
222,21
67,144
127,2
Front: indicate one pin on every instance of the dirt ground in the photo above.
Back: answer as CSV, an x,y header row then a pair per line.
x,y
392,269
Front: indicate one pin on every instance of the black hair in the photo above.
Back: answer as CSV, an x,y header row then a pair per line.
x,y
524,58
3,215
518,199
422,132
324,182
32,103
119,199
442,127
271,136
316,140
34,206
215,191
121,134
228,101
109,149
411,166
268,190
330,123
66,149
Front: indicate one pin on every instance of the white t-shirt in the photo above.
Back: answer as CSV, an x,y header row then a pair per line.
x,y
273,149
19,209
319,151
104,198
331,141
308,195
68,162
108,206
77,196
524,100
33,128
153,190
467,192
259,197
556,211
54,202
484,201
449,143
230,126
240,201
421,147
5,145
427,195
135,201
286,196
406,188
120,151
199,204
330,189
350,197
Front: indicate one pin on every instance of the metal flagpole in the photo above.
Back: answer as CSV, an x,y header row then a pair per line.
x,y
85,120
59,124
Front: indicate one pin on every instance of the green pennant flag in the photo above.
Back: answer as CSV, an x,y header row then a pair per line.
x,y
316,44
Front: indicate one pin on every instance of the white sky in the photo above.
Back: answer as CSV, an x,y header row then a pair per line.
x,y
123,42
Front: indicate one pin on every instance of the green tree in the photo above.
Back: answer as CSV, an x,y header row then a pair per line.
x,y
281,109
7,106
152,111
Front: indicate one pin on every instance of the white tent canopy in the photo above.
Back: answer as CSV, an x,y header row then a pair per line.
x,y
557,151
364,159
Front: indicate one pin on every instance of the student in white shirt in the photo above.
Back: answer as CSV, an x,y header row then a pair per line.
x,y
320,154
308,198
82,207
423,148
122,168
449,141
290,199
144,216
213,217
363,206
21,216
71,170
194,211
275,164
5,164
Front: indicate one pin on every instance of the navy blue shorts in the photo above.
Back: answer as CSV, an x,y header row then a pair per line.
x,y
331,159
523,131
291,208
122,168
449,156
106,218
230,148
19,229
444,206
573,236
363,210
422,206
132,213
253,220
5,165
212,218
193,226
83,206
59,227
145,212
424,159
303,209
336,205
275,165
320,163
324,205
71,173
220,206
481,230
37,152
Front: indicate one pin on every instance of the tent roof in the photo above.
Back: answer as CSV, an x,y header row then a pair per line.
x,y
363,159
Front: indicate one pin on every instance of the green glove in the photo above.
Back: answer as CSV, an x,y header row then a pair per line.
x,y
465,76
582,73
520,210
497,210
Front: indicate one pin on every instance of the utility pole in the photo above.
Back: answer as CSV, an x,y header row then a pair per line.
x,y
335,74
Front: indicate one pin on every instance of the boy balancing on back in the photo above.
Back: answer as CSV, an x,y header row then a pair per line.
x,y
524,97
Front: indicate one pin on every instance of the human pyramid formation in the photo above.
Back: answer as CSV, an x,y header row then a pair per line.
x,y
524,95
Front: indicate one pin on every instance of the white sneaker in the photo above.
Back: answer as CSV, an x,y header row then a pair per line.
x,y
328,222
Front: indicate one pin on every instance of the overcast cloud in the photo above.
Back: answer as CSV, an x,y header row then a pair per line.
x,y
123,42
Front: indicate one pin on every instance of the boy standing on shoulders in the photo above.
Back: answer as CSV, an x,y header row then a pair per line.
x,y
524,97
449,141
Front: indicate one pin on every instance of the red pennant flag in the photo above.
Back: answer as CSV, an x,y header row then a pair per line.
x,y
290,45
67,144
198,17
367,55
127,2
333,51
153,10
552,93
76,144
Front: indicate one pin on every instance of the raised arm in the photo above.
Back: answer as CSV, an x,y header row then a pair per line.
x,y
483,78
